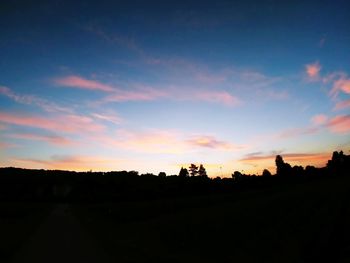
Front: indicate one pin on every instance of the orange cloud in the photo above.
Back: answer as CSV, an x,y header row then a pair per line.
x,y
318,159
70,162
339,124
313,70
319,119
155,141
81,83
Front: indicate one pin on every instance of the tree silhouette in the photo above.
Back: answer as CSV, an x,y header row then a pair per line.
x,y
193,169
236,176
282,168
266,173
202,172
183,172
162,174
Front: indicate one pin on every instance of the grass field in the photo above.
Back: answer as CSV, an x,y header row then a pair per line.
x,y
305,222
291,223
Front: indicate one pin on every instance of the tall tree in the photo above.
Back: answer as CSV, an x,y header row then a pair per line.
x,y
202,172
193,169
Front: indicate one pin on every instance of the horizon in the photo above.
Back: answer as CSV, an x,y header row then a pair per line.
x,y
154,87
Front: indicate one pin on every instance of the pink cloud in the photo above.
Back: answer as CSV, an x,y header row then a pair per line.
x,y
339,124
53,139
63,123
5,145
313,70
340,85
342,105
81,83
221,97
319,119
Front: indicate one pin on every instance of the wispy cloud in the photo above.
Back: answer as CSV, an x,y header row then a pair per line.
x,y
53,139
339,124
222,97
295,132
5,145
340,85
319,119
113,118
211,142
139,94
153,141
63,123
313,70
120,40
340,105
74,81
33,100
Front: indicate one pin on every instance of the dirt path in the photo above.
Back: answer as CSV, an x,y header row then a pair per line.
x,y
62,239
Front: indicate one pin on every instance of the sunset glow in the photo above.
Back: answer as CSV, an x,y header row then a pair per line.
x,y
156,86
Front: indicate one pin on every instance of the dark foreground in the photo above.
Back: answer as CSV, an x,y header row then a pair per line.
x,y
300,222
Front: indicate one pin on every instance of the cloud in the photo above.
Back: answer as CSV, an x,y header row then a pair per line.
x,y
33,100
339,124
295,132
140,94
82,83
318,159
5,145
340,85
53,139
70,162
211,142
319,119
153,141
221,97
62,123
120,40
342,105
313,70
113,118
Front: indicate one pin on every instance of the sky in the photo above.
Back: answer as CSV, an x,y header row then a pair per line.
x,y
156,85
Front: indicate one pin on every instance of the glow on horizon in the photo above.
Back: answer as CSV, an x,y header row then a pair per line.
x,y
135,91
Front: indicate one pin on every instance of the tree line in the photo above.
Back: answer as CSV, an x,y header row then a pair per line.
x,y
18,184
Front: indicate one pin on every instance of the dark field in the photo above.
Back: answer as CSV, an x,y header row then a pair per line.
x,y
296,222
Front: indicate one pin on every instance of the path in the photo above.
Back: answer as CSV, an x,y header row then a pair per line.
x,y
61,238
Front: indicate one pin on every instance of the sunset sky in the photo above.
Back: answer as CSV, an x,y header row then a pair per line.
x,y
153,86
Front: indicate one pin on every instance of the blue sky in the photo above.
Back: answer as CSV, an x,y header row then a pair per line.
x,y
153,86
